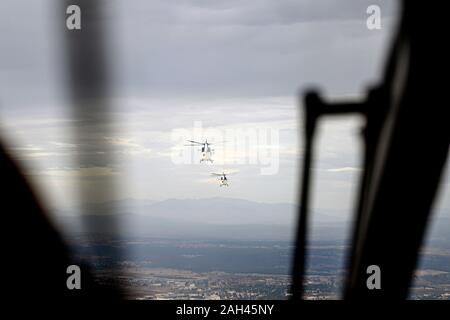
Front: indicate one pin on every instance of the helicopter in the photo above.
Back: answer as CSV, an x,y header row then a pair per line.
x,y
222,178
206,149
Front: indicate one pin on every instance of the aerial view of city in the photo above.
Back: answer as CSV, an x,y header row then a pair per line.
x,y
166,269
169,253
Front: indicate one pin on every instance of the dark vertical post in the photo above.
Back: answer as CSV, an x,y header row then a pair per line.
x,y
88,80
311,105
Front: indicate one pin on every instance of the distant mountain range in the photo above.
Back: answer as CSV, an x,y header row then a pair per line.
x,y
220,218
224,218
205,218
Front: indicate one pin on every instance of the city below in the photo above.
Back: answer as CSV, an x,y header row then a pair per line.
x,y
167,269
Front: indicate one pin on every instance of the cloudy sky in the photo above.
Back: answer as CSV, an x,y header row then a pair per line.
x,y
189,69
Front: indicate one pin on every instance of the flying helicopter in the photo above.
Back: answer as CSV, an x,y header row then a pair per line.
x,y
206,149
222,178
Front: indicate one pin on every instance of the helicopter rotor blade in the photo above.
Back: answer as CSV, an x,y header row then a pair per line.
x,y
198,143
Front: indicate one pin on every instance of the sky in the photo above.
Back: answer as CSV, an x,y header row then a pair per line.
x,y
192,69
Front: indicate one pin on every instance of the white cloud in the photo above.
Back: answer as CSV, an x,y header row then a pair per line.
x,y
77,172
